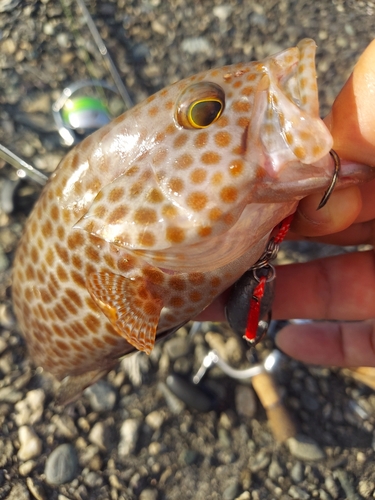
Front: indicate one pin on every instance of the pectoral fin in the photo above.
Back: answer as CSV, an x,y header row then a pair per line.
x,y
132,309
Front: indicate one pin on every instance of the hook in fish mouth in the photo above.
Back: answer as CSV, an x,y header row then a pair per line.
x,y
335,176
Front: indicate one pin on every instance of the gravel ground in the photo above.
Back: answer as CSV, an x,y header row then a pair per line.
x,y
130,438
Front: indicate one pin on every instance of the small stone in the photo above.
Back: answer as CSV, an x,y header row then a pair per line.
x,y
259,462
62,465
87,453
19,492
10,395
128,436
3,345
154,448
7,318
361,457
148,494
6,451
38,104
65,426
48,29
331,487
231,490
245,401
297,472
102,435
63,40
366,488
305,448
93,480
115,482
30,409
96,463
244,496
36,489
196,45
177,347
155,420
298,493
102,396
175,405
323,495
31,444
224,438
83,424
222,11
26,467
8,46
187,457
275,470
347,484
158,27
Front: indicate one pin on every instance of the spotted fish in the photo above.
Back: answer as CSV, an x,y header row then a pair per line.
x,y
151,217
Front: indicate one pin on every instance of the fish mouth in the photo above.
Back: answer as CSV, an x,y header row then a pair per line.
x,y
285,129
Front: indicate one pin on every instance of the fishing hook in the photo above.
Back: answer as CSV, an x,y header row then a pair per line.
x,y
331,187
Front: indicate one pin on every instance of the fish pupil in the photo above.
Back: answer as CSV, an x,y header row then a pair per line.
x,y
203,113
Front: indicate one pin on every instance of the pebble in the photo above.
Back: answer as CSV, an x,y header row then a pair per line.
x,y
331,487
259,462
154,448
366,488
10,395
102,435
275,470
19,492
148,494
346,484
298,493
36,489
323,495
65,426
177,347
26,467
196,45
305,448
245,401
93,479
31,444
222,11
3,345
155,419
231,490
188,457
174,404
244,496
297,472
61,465
88,453
129,432
102,396
30,409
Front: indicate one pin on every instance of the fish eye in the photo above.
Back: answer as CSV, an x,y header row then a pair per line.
x,y
200,105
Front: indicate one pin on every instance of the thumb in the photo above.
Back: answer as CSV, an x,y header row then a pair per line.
x,y
351,120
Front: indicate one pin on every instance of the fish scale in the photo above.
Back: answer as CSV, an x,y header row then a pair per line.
x,y
151,217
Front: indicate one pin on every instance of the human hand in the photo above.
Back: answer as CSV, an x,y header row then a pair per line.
x,y
338,288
